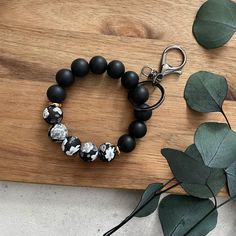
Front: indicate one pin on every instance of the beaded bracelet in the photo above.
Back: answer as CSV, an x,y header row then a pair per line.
x,y
138,95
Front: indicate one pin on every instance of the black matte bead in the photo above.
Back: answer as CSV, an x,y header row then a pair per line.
x,y
115,69
143,115
65,77
137,129
126,143
56,93
98,65
139,95
80,67
130,79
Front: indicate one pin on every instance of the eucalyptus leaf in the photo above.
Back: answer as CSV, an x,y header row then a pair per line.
x,y
215,23
152,205
231,179
216,143
205,91
184,168
215,181
192,151
178,214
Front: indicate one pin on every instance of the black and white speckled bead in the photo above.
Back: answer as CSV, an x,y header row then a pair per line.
x,y
107,152
58,132
88,151
52,114
71,145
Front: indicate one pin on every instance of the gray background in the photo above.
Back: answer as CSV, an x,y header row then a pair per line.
x,y
48,210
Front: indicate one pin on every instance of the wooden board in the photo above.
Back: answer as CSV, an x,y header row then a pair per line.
x,y
37,38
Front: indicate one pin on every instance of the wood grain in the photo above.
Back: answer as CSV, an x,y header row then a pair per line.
x,y
37,38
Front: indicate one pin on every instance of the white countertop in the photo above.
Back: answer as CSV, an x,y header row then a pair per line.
x,y
47,210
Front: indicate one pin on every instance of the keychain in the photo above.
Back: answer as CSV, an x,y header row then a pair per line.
x,y
155,77
137,95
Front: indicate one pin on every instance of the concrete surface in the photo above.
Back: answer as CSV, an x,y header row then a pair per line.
x,y
46,210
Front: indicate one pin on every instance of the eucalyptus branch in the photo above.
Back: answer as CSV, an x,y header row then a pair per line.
x,y
167,182
128,218
225,202
211,211
200,221
223,113
213,195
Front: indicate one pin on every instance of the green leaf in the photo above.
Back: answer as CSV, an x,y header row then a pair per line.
x,y
194,153
152,205
216,143
215,23
185,169
205,92
231,179
178,214
215,181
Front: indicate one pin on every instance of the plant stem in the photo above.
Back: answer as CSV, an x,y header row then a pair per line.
x,y
213,195
167,182
212,210
200,221
225,117
128,218
225,202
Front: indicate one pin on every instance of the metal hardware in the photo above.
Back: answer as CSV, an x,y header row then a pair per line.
x,y
155,77
55,104
166,69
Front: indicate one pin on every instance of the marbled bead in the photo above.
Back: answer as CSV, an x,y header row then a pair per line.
x,y
71,145
58,132
107,152
88,151
52,114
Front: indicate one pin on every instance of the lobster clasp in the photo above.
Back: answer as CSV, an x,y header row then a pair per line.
x,y
166,69
155,77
